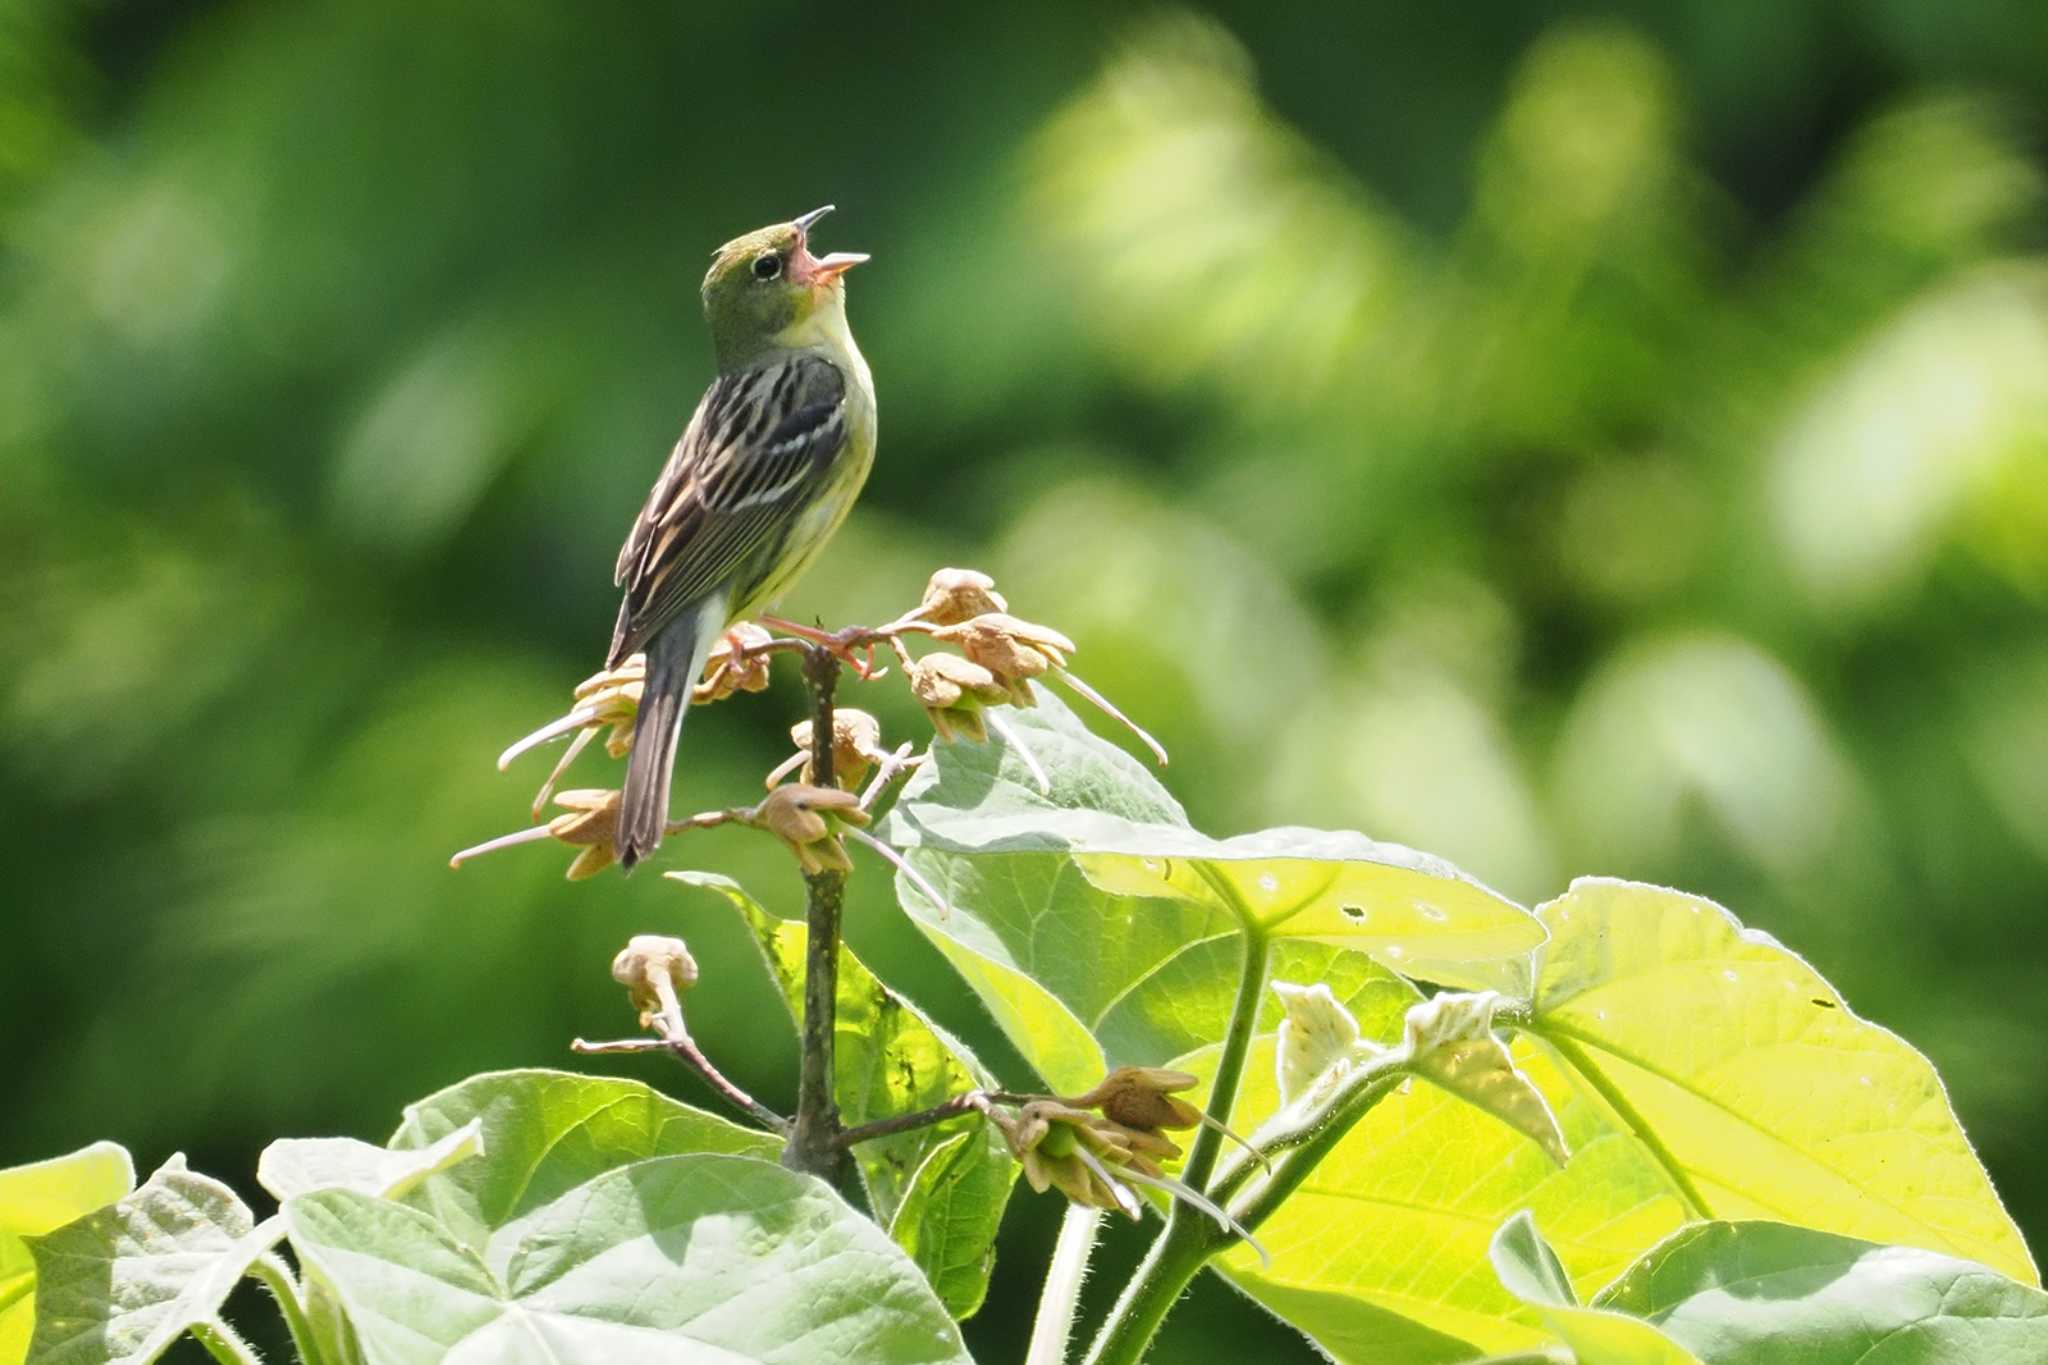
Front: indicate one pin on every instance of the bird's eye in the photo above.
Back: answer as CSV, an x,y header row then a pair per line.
x,y
767,267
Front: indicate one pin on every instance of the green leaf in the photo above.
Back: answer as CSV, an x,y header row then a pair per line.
x,y
951,1212
1131,839
119,1286
293,1166
673,1260
1685,1059
1757,1092
1086,961
940,1190
1757,1293
1530,1270
39,1198
1381,1254
1317,1035
1450,1042
544,1133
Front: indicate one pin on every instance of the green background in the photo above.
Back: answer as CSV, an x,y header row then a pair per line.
x,y
1565,438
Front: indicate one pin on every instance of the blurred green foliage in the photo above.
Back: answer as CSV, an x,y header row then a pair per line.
x,y
1568,442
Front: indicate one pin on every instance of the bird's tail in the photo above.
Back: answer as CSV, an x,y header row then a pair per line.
x,y
675,658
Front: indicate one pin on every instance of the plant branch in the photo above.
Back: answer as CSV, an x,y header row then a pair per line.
x,y
1054,1326
684,1048
1188,1240
969,1102
814,1136
1361,1090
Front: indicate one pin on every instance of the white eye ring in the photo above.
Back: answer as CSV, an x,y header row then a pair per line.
x,y
767,267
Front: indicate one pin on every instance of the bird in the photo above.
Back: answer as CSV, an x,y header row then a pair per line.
x,y
772,460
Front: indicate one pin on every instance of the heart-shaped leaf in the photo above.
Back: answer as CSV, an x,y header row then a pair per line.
x,y
1099,928
1749,1082
676,1260
119,1286
544,1133
1758,1293
39,1198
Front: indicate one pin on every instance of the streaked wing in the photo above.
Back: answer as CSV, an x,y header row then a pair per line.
x,y
757,451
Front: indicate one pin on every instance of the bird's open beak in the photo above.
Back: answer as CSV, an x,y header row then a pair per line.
x,y
822,270
837,264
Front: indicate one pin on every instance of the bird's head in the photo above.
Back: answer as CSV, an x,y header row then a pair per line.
x,y
766,289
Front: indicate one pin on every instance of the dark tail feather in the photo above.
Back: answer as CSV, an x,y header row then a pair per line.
x,y
672,663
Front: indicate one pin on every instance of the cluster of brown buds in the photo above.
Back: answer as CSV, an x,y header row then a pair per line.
x,y
589,819
1093,1147
999,657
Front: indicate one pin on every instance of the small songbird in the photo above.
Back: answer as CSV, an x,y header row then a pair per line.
x,y
771,462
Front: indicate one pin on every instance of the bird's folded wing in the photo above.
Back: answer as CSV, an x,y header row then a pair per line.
x,y
756,453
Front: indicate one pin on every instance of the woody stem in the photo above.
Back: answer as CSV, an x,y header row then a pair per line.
x,y
814,1144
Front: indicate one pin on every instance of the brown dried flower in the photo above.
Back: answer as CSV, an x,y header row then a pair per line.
x,y
1142,1097
589,817
728,670
1015,651
856,748
1082,1155
956,595
952,691
806,818
655,972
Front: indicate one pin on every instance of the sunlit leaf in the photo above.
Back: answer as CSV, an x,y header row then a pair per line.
x,y
1758,1293
545,1132
1750,1083
669,1260
1449,1040
1097,925
1381,1255
293,1166
39,1198
940,1190
1529,1270
120,1286
1317,1034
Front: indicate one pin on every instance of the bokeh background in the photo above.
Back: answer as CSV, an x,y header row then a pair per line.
x,y
1566,438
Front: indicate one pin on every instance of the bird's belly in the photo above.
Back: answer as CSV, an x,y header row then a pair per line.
x,y
808,534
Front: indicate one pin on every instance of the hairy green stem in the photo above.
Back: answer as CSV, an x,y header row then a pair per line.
x,y
277,1277
814,1134
1360,1092
1062,1293
224,1344
1189,1238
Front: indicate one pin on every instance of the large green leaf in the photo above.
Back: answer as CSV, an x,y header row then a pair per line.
x,y
39,1198
940,1190
545,1132
119,1286
1756,1293
1381,1254
673,1260
1739,1070
1099,928
1530,1270
1693,1067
